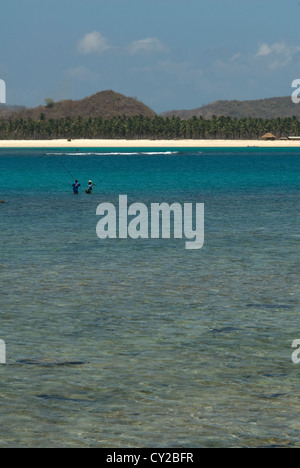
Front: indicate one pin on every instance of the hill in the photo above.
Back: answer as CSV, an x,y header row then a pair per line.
x,y
106,104
271,108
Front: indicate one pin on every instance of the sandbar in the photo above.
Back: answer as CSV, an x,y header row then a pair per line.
x,y
94,143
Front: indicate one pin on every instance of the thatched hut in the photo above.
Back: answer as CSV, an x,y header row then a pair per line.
x,y
268,136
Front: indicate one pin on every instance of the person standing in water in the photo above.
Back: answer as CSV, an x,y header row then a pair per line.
x,y
76,187
90,187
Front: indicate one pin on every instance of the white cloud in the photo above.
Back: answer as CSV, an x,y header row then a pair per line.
x,y
280,53
236,57
149,45
264,50
93,43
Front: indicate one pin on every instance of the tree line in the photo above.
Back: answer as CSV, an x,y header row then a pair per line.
x,y
140,127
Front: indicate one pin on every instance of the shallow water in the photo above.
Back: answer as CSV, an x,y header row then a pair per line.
x,y
142,343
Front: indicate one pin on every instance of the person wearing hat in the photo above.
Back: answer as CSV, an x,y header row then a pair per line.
x,y
76,187
90,187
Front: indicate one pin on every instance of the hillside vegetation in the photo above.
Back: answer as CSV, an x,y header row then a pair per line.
x,y
105,104
261,109
111,115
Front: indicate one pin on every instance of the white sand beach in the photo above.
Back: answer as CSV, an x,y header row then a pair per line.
x,y
63,143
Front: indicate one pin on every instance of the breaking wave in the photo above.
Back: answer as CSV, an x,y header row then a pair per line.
x,y
114,153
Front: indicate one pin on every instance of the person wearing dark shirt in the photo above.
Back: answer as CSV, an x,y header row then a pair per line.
x,y
76,187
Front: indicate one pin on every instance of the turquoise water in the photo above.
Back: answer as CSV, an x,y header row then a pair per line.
x,y
141,343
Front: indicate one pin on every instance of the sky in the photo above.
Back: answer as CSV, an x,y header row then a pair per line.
x,y
169,54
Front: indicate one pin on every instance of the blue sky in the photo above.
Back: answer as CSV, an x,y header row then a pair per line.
x,y
170,54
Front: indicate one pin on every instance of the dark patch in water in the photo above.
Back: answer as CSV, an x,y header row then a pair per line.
x,y
60,398
270,306
50,363
271,396
224,329
268,446
268,374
